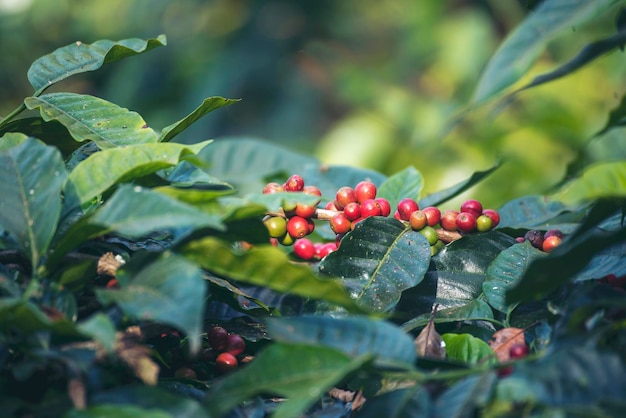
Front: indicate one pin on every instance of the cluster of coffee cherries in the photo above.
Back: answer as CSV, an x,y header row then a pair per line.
x,y
544,241
351,205
227,346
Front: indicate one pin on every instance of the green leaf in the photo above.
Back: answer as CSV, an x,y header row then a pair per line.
x,y
475,310
78,58
301,373
101,329
386,343
32,175
52,133
466,348
118,411
413,402
466,397
208,105
11,139
89,118
442,196
617,118
266,266
524,45
104,169
600,180
406,183
171,290
506,271
530,212
378,260
16,313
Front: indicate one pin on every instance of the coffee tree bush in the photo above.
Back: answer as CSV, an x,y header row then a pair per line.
x,y
138,275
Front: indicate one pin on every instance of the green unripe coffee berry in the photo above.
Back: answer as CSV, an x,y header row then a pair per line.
x,y
276,226
483,223
430,234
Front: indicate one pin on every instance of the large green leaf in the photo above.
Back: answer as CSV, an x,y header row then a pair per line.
x,y
17,313
171,290
208,105
406,183
89,118
378,260
465,398
356,336
474,310
524,45
617,118
454,279
412,402
104,169
266,266
32,175
301,373
600,180
466,348
530,212
52,133
78,58
506,271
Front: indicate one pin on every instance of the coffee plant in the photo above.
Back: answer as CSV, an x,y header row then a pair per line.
x,y
144,277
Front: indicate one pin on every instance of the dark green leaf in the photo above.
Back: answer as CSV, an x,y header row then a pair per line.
x,y
442,196
104,169
118,411
301,373
413,402
466,348
89,118
101,329
476,310
378,260
266,266
386,343
466,397
52,133
208,105
530,212
15,313
524,45
170,290
32,175
78,58
506,271
406,183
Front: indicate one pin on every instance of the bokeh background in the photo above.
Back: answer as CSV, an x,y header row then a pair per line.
x,y
367,83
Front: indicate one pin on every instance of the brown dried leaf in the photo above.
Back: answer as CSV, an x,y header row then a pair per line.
x,y
342,395
358,401
502,340
429,343
109,263
77,392
129,349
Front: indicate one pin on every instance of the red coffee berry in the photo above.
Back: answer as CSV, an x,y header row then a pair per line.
x,y
553,232
433,215
340,224
418,220
352,211
495,217
297,227
311,225
550,243
294,183
305,211
383,204
235,344
406,207
323,249
331,206
466,222
218,338
344,196
365,190
472,206
448,220
518,351
396,215
369,207
272,187
312,190
226,362
304,249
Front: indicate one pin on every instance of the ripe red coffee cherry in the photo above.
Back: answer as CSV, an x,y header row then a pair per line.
x,y
276,226
226,362
553,232
235,345
365,190
383,204
340,224
406,207
323,249
297,227
331,206
483,223
294,183
418,220
495,217
352,211
272,187
305,211
466,222
472,206
433,215
344,196
448,220
550,243
312,190
304,249
218,338
369,208
518,351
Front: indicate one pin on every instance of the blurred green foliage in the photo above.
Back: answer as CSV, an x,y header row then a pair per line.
x,y
373,84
